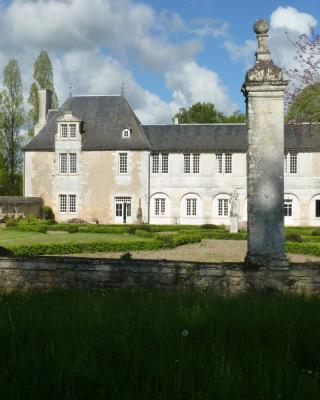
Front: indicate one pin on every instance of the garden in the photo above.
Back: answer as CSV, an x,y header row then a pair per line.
x,y
31,236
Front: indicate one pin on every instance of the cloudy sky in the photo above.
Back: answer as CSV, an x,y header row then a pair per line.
x,y
169,53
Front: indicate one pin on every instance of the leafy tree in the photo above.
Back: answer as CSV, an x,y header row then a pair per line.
x,y
206,113
12,118
303,95
43,76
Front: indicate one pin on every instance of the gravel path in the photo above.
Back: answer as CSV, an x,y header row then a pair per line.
x,y
208,251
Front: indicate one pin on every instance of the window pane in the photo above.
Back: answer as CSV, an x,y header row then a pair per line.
x,y
72,131
73,163
285,163
293,163
118,209
317,208
63,166
64,130
228,163
123,168
165,163
128,209
155,163
163,206
72,203
225,207
196,163
188,206
186,167
157,207
194,206
63,203
219,163
288,207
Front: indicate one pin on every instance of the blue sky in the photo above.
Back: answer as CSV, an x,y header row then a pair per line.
x,y
169,54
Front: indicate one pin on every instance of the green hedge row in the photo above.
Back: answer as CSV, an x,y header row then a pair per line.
x,y
161,241
303,248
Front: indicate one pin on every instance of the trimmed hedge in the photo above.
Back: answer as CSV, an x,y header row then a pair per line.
x,y
303,248
294,237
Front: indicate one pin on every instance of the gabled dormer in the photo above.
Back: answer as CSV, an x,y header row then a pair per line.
x,y
69,126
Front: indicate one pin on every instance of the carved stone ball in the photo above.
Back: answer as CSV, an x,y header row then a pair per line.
x,y
261,27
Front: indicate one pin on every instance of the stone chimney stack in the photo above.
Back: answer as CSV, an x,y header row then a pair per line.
x,y
263,89
45,99
175,120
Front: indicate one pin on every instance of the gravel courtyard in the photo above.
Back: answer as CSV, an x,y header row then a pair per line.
x,y
208,251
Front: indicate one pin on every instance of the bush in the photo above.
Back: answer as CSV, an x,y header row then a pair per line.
x,y
126,256
294,237
47,213
41,229
11,223
210,226
131,230
142,233
4,252
316,232
165,241
73,229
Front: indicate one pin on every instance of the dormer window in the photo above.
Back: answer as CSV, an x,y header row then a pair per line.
x,y
126,133
64,130
72,128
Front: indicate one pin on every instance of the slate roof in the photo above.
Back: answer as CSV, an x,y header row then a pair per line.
x,y
105,117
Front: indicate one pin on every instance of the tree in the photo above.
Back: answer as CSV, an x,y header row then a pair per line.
x,y
11,122
43,76
206,113
303,95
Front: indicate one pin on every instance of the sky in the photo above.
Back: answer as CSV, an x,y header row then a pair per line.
x,y
169,53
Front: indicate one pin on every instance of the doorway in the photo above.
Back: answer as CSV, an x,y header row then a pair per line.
x,y
123,212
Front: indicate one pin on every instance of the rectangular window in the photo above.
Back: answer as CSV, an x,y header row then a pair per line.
x,y
293,163
186,168
129,209
118,209
72,130
72,203
223,207
317,208
288,207
163,206
196,163
63,163
191,206
73,163
155,163
219,163
64,130
159,206
63,203
164,163
123,163
228,163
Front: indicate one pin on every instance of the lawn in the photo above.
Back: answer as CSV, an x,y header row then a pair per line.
x,y
15,237
158,345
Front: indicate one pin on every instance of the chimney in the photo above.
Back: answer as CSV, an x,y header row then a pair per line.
x,y
175,120
45,98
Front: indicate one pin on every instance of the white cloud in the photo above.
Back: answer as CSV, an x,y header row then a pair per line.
x,y
94,43
289,18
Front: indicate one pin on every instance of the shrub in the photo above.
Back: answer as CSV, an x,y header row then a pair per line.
x,y
4,252
73,229
41,229
47,213
142,233
316,232
294,237
165,240
131,230
210,226
126,256
10,223
29,219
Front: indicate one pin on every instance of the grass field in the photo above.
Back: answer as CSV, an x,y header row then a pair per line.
x,y
158,345
15,237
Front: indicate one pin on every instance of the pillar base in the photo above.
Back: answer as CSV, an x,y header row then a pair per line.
x,y
266,260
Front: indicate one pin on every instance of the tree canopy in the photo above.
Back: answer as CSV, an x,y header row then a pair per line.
x,y
207,113
306,105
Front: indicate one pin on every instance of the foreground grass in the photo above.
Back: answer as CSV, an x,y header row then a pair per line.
x,y
157,345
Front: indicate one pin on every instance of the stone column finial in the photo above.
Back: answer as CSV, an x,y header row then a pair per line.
x,y
264,92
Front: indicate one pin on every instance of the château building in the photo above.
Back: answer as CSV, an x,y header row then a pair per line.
x,y
93,159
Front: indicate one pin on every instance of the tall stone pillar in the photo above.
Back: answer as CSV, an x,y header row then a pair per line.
x,y
264,92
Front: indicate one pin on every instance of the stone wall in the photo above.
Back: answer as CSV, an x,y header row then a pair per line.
x,y
84,273
15,206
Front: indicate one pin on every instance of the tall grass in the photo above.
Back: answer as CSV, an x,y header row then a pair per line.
x,y
158,345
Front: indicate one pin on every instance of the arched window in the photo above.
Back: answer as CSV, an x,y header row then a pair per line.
x,y
221,208
314,210
191,209
160,208
126,133
291,209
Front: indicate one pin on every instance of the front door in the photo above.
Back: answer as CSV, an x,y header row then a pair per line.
x,y
123,210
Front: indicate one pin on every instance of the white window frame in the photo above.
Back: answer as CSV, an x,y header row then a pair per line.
x,y
224,163
64,131
159,206
67,203
72,131
191,206
223,207
291,163
288,205
155,163
160,163
191,163
63,203
126,133
123,163
73,165
72,203
63,163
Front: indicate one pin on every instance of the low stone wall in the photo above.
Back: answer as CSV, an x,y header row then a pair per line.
x,y
84,273
15,206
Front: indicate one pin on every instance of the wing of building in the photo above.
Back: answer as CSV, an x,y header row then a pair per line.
x,y
94,160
